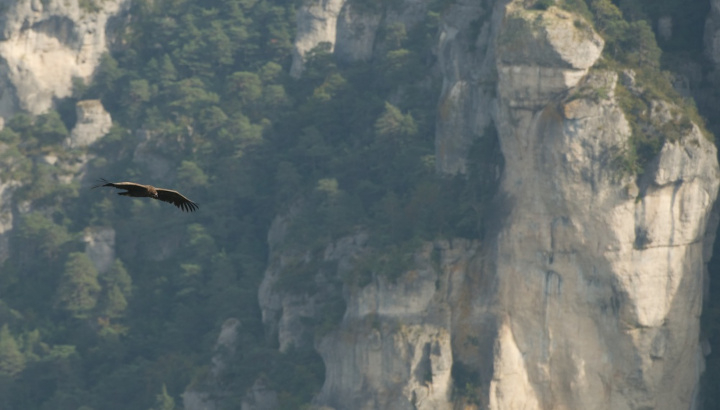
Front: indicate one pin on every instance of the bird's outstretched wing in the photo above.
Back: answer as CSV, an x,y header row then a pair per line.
x,y
128,186
177,199
137,190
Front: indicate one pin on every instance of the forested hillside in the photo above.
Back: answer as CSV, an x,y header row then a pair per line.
x,y
201,89
205,84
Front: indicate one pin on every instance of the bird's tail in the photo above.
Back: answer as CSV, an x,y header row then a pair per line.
x,y
103,182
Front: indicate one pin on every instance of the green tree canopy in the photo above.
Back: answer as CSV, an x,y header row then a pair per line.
x,y
163,401
79,287
393,124
117,288
12,360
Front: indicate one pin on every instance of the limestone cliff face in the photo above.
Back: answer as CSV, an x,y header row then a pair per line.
x,y
712,33
100,246
203,396
45,44
393,347
93,122
586,295
316,23
469,76
466,60
349,30
600,280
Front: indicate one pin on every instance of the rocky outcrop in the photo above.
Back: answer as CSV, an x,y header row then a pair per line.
x,y
44,45
285,310
316,24
610,277
350,29
600,281
394,346
204,397
93,122
465,54
712,33
586,293
466,58
100,246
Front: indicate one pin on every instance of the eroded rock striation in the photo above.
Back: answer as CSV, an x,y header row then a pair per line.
x,y
393,347
600,279
316,24
588,291
349,29
44,45
93,123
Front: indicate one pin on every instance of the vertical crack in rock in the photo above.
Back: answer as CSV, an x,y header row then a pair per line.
x,y
45,45
586,290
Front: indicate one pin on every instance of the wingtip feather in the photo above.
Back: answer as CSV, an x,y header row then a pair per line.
x,y
102,181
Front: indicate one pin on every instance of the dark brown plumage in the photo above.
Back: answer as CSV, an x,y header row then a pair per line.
x,y
149,191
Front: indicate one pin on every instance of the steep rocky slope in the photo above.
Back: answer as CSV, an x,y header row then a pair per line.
x,y
587,293
584,293
44,45
600,279
93,123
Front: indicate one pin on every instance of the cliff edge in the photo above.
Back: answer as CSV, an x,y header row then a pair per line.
x,y
588,290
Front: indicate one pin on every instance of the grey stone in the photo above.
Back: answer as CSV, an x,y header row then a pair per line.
x,y
45,45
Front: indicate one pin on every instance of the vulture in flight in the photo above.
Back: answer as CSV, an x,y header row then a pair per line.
x,y
149,191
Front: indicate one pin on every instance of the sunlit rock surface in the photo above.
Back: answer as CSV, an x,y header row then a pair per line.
x,y
588,290
316,23
44,45
93,122
350,29
100,246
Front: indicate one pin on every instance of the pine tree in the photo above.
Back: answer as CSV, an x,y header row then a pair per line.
x,y
12,360
79,288
164,401
117,285
50,128
168,73
117,275
393,124
113,302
